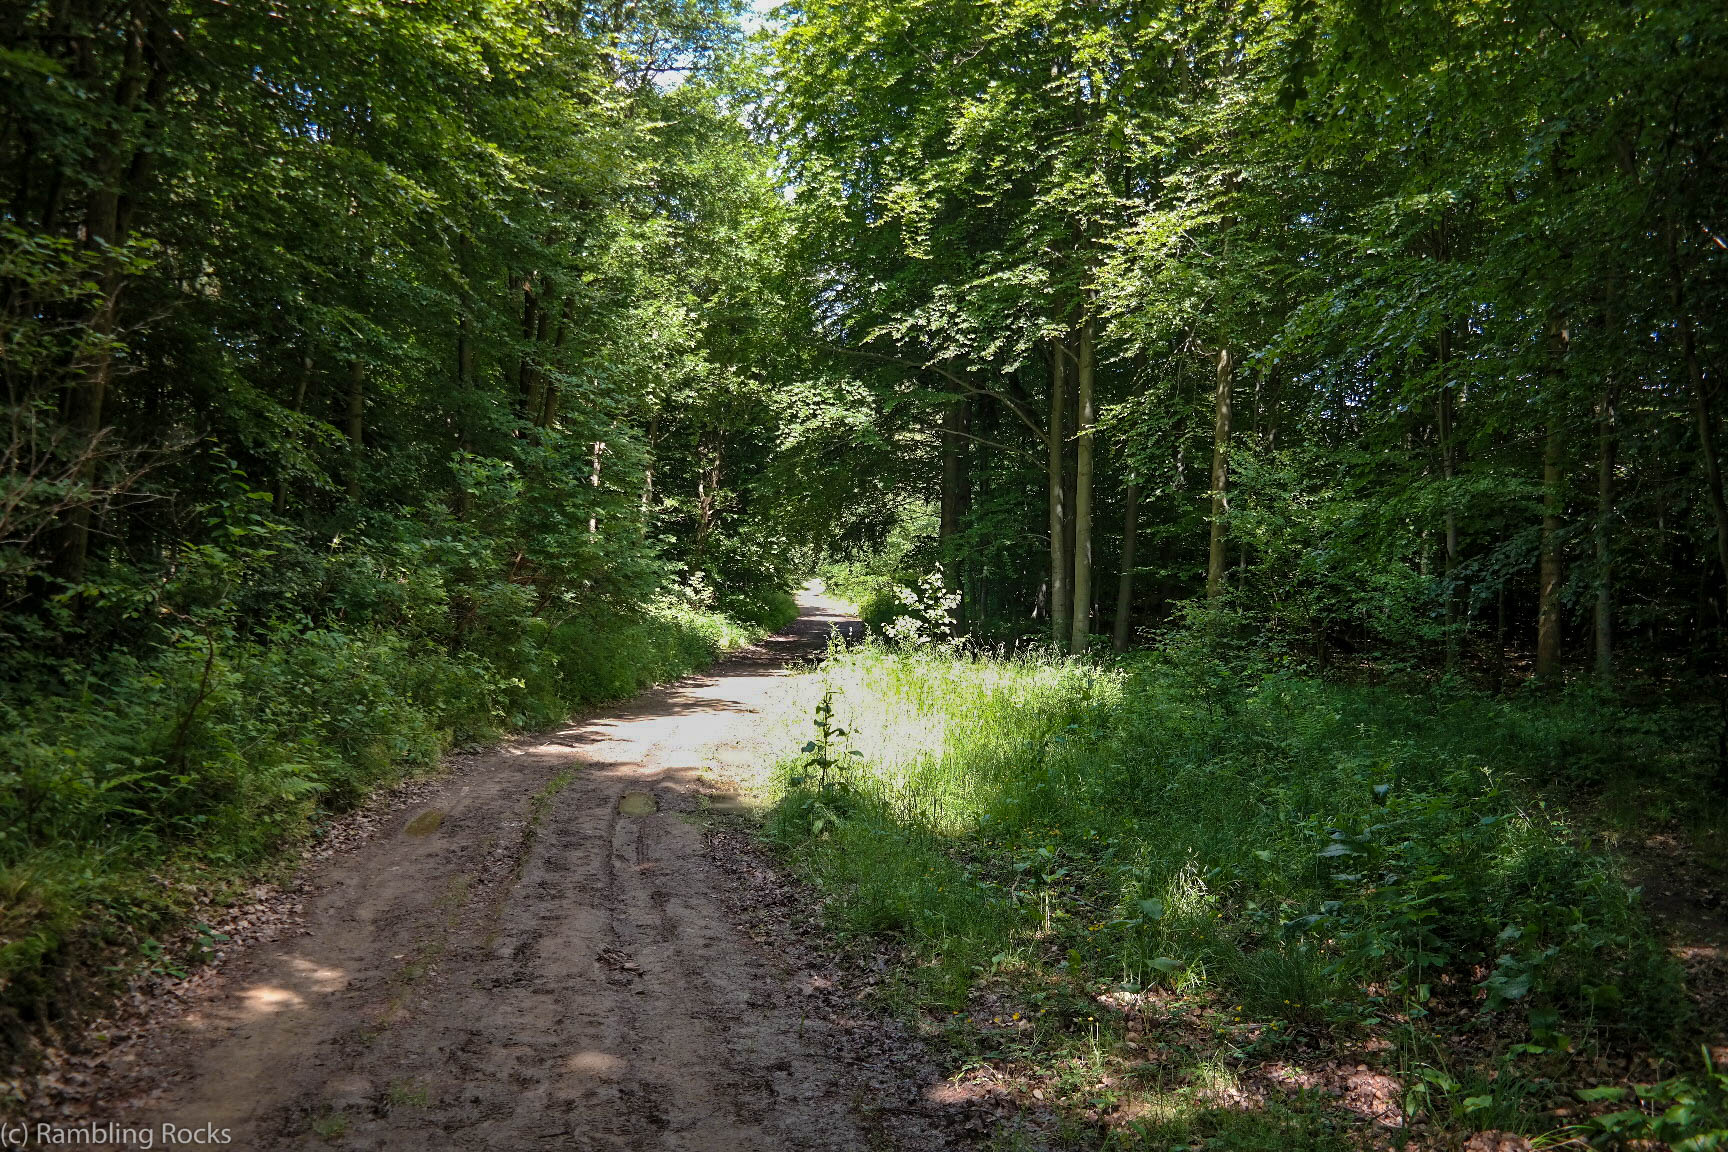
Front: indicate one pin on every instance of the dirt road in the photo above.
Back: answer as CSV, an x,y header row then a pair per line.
x,y
532,957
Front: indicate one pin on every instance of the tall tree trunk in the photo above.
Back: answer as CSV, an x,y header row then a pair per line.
x,y
464,351
594,480
1123,629
465,316
533,403
356,425
1500,637
1448,472
106,218
1087,417
648,473
465,378
1607,443
953,489
1061,570
1553,503
84,403
1273,409
1700,407
1713,477
525,360
1220,473
1548,599
1069,421
302,382
707,492
1706,420
464,381
549,384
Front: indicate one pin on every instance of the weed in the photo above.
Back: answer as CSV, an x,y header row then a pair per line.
x,y
406,1094
330,1127
820,776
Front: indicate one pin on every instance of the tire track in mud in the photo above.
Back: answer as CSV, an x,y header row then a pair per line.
x,y
540,969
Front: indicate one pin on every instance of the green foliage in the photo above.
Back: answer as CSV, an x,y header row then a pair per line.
x,y
1430,250
923,613
199,760
1315,853
822,792
1687,1113
872,579
377,378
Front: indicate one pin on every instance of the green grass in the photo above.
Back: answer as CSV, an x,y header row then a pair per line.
x,y
1290,857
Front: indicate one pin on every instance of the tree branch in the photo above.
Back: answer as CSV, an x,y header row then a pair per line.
x,y
966,386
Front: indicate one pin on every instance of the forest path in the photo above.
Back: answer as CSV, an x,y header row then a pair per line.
x,y
533,957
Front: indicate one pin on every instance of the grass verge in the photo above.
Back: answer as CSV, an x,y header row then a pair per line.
x,y
1189,900
186,772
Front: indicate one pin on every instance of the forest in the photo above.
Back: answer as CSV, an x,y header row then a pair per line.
x,y
1275,447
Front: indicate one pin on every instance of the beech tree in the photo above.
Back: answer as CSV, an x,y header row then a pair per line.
x,y
1396,319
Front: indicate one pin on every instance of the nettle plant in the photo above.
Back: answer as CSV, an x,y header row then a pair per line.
x,y
1454,877
825,769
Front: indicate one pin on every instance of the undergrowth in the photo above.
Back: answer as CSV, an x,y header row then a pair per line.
x,y
1289,865
133,782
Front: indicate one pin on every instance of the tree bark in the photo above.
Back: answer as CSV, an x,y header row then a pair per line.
x,y
1500,637
464,351
953,485
1707,444
1220,473
549,385
648,474
1123,629
1548,598
1061,571
465,317
301,382
1086,418
141,84
594,480
1700,409
707,491
525,359
1273,408
1446,419
533,402
465,378
356,425
1607,443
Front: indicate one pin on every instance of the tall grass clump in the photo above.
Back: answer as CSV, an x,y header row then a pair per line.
x,y
1312,853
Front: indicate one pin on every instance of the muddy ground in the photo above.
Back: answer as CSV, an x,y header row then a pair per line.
x,y
547,949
